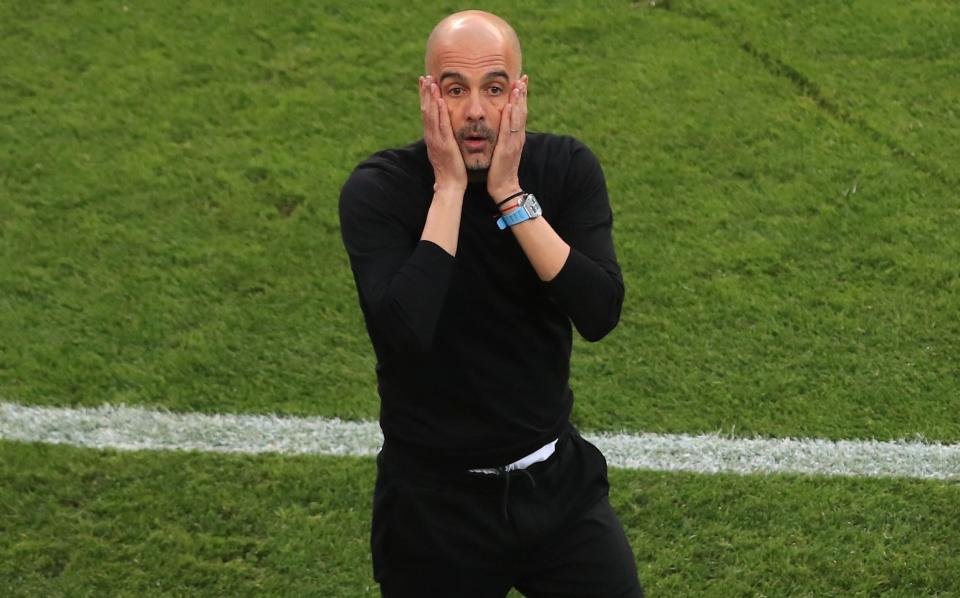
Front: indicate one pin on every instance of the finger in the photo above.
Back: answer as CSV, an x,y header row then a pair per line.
x,y
424,92
518,105
429,110
520,110
515,100
446,129
434,108
506,118
426,95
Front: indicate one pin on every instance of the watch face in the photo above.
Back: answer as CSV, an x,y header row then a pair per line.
x,y
531,205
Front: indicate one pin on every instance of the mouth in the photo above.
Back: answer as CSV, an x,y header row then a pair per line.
x,y
475,143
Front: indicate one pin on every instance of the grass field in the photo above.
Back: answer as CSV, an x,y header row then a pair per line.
x,y
783,177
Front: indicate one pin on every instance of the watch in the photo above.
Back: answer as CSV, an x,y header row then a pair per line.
x,y
528,209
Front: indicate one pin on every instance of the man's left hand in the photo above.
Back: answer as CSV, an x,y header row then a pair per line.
x,y
502,179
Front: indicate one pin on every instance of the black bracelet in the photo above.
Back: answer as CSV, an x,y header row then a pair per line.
x,y
517,194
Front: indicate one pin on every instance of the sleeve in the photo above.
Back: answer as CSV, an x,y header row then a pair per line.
x,y
589,287
402,281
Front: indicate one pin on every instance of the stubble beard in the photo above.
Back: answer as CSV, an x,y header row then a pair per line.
x,y
477,163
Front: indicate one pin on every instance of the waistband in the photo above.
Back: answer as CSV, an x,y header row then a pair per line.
x,y
398,463
541,454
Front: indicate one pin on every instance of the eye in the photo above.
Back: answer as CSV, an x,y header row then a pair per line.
x,y
456,91
495,90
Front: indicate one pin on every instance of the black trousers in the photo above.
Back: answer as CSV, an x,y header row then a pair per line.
x,y
548,530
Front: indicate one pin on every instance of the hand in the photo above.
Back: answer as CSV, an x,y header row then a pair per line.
x,y
449,170
502,178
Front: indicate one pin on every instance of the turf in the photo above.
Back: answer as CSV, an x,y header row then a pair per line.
x,y
80,522
782,177
170,233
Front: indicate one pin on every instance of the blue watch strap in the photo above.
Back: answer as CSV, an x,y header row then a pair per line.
x,y
515,217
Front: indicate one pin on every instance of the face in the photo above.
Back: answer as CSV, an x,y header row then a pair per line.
x,y
475,77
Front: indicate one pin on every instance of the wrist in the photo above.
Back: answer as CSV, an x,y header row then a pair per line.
x,y
450,188
510,202
501,192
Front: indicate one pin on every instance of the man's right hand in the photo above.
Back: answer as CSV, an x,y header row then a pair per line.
x,y
449,171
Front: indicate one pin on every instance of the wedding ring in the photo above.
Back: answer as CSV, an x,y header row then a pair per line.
x,y
514,130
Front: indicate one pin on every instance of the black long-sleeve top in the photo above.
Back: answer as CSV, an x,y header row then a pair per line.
x,y
473,351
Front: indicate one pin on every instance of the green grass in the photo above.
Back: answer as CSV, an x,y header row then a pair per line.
x,y
170,238
80,522
786,219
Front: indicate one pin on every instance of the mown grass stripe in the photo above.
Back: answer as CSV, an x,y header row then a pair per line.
x,y
134,428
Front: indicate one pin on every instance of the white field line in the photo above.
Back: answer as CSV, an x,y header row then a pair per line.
x,y
133,428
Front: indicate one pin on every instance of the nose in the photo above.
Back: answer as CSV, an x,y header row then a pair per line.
x,y
474,108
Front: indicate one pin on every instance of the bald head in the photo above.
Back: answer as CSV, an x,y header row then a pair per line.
x,y
473,29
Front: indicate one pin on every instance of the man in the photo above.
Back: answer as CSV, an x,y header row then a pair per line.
x,y
473,250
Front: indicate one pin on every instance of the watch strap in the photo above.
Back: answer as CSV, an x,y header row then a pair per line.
x,y
515,217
